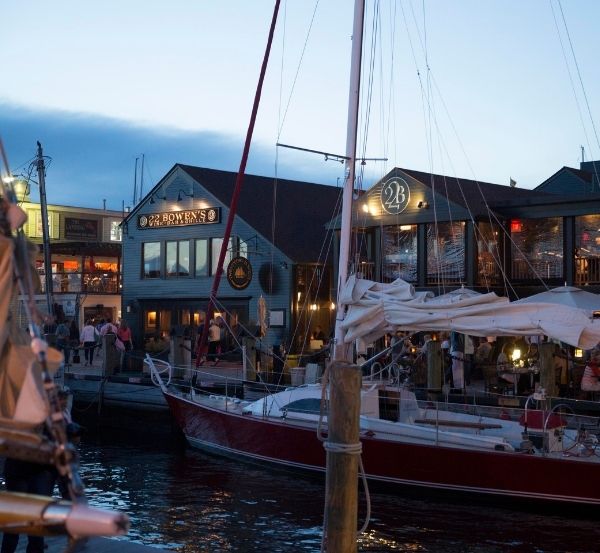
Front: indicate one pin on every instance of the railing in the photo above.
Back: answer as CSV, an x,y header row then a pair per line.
x,y
531,270
91,283
587,270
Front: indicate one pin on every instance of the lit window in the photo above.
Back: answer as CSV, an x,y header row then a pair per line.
x,y
178,258
116,232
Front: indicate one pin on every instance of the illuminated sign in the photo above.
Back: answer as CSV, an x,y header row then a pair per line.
x,y
395,195
206,216
239,273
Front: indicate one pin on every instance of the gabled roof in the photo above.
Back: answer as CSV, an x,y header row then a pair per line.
x,y
565,179
302,208
471,194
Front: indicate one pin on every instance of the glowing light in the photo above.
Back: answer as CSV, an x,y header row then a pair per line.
x,y
516,354
578,353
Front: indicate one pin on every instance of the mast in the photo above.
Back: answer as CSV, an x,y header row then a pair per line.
x,y
343,445
45,232
135,182
237,188
142,176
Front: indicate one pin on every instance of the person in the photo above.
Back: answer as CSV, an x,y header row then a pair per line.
x,y
214,341
481,357
503,364
88,338
591,373
63,399
26,477
124,334
108,328
318,334
62,341
74,340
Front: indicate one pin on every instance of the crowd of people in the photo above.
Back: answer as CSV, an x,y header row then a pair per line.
x,y
68,338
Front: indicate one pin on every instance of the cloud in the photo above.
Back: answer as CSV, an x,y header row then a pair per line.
x,y
93,157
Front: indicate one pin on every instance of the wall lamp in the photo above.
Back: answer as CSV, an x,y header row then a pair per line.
x,y
423,204
180,197
153,198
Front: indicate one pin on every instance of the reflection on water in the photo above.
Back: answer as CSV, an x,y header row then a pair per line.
x,y
189,501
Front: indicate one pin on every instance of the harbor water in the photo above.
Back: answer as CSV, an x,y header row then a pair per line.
x,y
185,500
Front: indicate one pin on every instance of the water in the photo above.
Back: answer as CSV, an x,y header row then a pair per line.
x,y
190,501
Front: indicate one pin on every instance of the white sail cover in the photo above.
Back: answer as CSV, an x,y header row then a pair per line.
x,y
374,308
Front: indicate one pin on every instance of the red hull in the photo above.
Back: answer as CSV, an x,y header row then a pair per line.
x,y
516,475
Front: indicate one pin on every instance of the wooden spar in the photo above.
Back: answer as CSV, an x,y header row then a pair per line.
x,y
342,445
237,189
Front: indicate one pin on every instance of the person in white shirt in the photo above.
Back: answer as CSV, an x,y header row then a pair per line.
x,y
88,337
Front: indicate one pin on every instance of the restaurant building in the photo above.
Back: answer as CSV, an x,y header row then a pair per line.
x,y
440,232
85,260
172,241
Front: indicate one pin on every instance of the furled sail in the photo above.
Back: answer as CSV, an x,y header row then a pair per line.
x,y
375,309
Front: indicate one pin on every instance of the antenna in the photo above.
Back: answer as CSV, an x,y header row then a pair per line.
x,y
135,180
582,154
142,178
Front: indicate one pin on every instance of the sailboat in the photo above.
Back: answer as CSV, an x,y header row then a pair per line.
x,y
32,426
543,456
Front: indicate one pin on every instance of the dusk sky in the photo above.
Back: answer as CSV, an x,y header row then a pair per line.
x,y
101,83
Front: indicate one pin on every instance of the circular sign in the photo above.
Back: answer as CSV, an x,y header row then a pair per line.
x,y
395,195
143,221
239,273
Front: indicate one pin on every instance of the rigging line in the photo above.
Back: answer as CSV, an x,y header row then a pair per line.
x,y
371,71
335,212
564,53
572,83
287,107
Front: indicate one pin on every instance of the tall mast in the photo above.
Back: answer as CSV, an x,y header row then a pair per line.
x,y
135,182
142,177
45,231
343,444
237,188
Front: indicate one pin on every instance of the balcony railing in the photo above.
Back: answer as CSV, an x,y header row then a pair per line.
x,y
86,283
587,270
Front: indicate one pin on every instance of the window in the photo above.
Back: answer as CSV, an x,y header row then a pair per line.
x,y
537,248
151,259
36,230
178,258
446,252
116,232
215,246
202,257
400,253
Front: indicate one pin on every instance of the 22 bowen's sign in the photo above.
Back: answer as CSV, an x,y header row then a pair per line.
x,y
239,273
204,216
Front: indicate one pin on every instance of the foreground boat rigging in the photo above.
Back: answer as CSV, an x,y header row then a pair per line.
x,y
545,456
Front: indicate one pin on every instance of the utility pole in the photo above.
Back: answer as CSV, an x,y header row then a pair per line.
x,y
45,231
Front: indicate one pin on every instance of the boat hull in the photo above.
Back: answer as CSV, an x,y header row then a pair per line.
x,y
496,473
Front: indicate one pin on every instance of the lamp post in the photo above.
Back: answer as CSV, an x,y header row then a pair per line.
x,y
45,231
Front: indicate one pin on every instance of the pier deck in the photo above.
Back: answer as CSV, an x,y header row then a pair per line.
x,y
93,545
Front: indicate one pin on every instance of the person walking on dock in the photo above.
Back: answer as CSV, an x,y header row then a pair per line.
x,y
88,337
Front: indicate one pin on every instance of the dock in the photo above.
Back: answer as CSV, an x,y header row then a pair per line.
x,y
92,545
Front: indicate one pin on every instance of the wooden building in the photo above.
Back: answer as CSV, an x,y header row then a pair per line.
x,y
172,241
440,232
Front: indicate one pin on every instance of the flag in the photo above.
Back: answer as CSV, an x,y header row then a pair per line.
x,y
513,182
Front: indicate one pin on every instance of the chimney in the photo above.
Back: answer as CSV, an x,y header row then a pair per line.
x,y
592,167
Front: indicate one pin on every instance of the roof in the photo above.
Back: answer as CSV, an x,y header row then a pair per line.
x,y
301,212
474,195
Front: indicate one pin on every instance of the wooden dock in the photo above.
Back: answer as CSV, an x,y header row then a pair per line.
x,y
92,545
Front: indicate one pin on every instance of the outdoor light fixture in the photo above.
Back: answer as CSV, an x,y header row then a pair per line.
x,y
180,197
578,353
153,198
423,204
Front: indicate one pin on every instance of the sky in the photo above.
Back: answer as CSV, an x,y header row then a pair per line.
x,y
467,88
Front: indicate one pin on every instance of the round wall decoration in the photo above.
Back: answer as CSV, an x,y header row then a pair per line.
x,y
239,273
395,195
